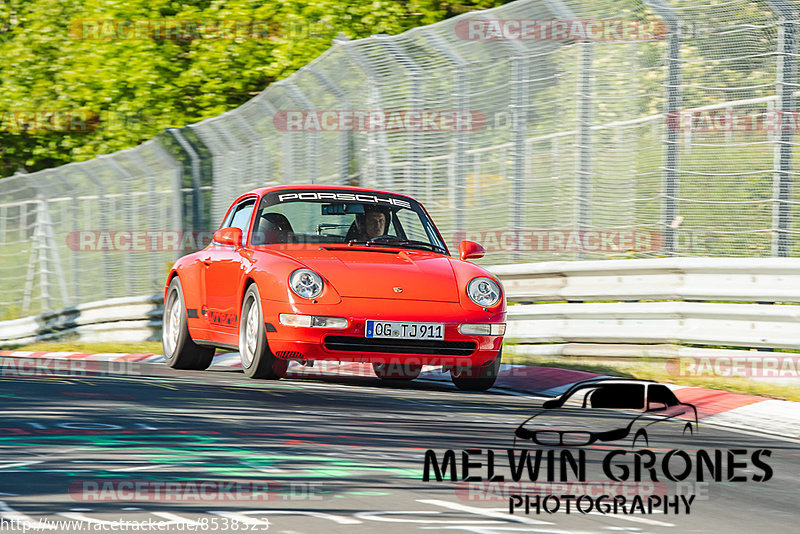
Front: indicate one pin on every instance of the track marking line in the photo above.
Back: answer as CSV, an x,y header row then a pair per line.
x,y
20,464
10,514
141,467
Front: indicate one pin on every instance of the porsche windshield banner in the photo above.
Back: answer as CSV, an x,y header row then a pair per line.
x,y
342,197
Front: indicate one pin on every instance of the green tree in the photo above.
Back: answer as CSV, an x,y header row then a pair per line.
x,y
136,88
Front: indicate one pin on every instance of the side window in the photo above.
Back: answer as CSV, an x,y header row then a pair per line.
x,y
239,217
227,222
661,396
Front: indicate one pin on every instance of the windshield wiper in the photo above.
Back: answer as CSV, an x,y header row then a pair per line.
x,y
388,240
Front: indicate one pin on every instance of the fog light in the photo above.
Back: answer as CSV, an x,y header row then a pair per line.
x,y
482,329
290,319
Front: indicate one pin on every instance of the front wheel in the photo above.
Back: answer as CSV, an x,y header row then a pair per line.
x,y
477,377
180,352
257,360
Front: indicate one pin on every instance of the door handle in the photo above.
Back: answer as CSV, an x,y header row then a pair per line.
x,y
206,261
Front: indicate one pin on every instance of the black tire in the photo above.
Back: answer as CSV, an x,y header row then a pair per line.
x,y
641,434
257,360
180,352
688,428
396,371
478,377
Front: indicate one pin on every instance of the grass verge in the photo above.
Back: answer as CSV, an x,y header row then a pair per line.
x,y
74,346
656,370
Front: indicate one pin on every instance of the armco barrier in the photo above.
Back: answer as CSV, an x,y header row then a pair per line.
x,y
129,319
705,279
732,302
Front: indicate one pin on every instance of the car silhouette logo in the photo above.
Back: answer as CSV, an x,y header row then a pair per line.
x,y
609,409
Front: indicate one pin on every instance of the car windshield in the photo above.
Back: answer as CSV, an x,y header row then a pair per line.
x,y
345,218
619,396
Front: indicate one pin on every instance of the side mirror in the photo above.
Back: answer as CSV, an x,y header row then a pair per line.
x,y
550,404
229,236
470,250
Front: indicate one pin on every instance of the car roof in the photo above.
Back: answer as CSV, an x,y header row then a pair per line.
x,y
613,380
603,380
264,190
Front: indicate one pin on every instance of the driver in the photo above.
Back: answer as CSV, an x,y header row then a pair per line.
x,y
374,223
368,225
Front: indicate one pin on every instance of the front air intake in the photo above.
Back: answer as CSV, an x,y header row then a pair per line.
x,y
399,346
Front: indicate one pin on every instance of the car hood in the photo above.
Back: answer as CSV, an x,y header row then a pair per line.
x,y
376,272
582,419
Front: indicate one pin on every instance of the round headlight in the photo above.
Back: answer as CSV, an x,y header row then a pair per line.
x,y
483,291
305,283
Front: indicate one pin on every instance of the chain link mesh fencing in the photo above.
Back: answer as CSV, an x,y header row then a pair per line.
x,y
69,235
592,129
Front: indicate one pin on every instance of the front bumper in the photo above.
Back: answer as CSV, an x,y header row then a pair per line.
x,y
350,344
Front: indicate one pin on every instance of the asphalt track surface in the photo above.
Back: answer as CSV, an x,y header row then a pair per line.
x,y
335,454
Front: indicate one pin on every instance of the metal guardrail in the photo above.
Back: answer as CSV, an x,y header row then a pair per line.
x,y
573,316
731,302
688,279
129,319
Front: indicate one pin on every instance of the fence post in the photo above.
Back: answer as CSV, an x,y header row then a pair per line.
x,y
673,96
785,85
585,116
518,152
194,170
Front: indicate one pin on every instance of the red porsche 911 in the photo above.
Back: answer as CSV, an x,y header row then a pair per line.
x,y
315,272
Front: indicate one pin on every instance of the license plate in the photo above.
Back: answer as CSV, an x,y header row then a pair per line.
x,y
398,330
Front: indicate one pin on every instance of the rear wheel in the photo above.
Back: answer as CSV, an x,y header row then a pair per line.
x,y
396,371
477,377
257,360
180,352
